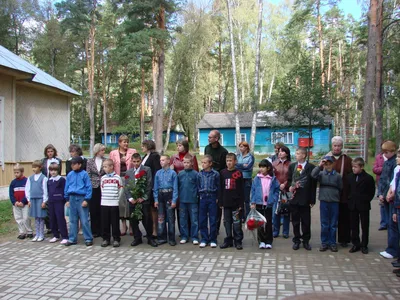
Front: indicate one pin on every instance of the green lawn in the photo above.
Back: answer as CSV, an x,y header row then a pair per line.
x,y
7,223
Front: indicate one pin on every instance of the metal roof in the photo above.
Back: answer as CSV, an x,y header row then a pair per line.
x,y
13,61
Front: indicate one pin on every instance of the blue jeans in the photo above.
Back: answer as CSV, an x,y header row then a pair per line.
x,y
277,221
192,210
164,207
329,213
208,213
247,190
393,234
384,217
77,212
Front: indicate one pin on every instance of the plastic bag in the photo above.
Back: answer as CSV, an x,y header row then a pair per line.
x,y
255,220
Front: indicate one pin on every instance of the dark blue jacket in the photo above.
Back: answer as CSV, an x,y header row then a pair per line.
x,y
397,193
56,189
257,194
187,182
208,182
78,183
386,176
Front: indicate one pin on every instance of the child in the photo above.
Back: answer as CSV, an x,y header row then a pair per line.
x,y
36,194
165,196
208,187
19,202
362,191
147,221
78,191
189,205
303,187
56,186
231,199
389,151
330,187
264,194
395,189
111,185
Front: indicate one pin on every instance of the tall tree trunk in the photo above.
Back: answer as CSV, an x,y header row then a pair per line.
x,y
103,80
142,107
256,77
242,83
370,82
220,76
379,83
155,69
271,86
329,73
235,86
321,44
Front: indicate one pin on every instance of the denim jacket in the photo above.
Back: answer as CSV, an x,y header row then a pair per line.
x,y
243,160
386,176
397,192
257,193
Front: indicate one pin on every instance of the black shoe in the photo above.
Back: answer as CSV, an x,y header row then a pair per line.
x,y
152,243
354,249
161,242
285,236
382,228
307,246
172,243
89,243
323,248
395,262
105,243
364,250
396,265
116,244
225,245
136,242
276,235
69,243
239,247
296,246
344,245
29,236
96,235
334,248
21,237
396,271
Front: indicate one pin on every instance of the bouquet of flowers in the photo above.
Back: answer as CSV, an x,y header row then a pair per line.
x,y
298,181
138,191
255,220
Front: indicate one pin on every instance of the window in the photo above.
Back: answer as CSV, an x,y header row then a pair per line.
x,y
221,140
113,139
284,137
243,137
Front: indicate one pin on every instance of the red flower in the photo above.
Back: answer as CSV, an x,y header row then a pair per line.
x,y
140,174
126,177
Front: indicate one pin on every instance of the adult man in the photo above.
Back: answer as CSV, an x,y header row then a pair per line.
x,y
218,154
342,165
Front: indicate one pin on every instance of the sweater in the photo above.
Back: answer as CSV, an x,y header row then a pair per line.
x,y
55,187
257,192
330,184
343,166
232,189
218,155
187,182
78,183
111,185
247,160
17,190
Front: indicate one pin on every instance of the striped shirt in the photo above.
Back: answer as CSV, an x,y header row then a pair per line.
x,y
111,185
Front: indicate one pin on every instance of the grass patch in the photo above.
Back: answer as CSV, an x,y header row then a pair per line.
x,y
7,223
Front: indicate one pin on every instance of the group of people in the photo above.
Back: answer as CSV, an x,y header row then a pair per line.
x,y
100,195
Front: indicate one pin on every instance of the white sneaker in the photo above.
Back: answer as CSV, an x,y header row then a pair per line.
x,y
64,241
183,241
203,245
53,240
213,245
195,242
40,239
262,245
268,246
35,239
386,255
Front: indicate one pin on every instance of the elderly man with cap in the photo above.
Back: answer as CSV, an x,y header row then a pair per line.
x,y
330,187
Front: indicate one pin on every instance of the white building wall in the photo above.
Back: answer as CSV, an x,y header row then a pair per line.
x,y
6,91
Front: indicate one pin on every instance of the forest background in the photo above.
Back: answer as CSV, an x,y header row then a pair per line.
x,y
148,64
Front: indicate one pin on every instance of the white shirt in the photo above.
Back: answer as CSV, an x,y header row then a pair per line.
x,y
99,162
303,165
44,185
145,159
393,182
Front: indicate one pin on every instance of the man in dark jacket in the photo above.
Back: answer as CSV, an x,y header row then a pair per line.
x,y
303,187
361,188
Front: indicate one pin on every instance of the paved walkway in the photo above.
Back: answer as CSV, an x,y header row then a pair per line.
x,y
48,271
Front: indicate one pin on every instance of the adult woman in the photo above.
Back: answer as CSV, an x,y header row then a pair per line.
x,y
50,156
281,171
342,165
95,170
177,159
245,163
151,160
122,162
74,151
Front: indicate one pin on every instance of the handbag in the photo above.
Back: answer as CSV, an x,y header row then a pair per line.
x,y
283,206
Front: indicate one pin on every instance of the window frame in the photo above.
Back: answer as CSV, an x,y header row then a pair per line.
x,y
284,137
